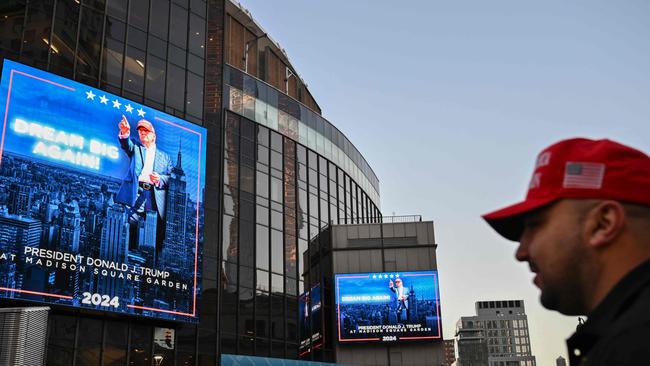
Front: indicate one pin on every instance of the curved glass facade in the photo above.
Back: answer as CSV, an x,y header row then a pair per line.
x,y
278,198
266,105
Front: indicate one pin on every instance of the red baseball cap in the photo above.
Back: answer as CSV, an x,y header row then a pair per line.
x,y
578,168
143,123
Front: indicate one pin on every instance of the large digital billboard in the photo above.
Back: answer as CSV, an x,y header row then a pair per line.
x,y
310,320
101,199
388,307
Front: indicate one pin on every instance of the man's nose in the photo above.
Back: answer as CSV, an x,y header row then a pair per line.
x,y
521,254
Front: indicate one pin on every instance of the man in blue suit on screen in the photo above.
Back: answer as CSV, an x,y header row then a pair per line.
x,y
401,298
144,187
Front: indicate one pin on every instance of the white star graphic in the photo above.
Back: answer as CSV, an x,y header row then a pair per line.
x,y
141,112
90,95
103,99
128,108
116,104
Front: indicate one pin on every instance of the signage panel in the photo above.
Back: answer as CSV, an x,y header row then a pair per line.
x,y
388,307
101,199
311,320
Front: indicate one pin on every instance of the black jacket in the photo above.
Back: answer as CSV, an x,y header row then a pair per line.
x,y
618,330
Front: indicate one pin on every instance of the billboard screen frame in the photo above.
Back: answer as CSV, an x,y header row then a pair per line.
x,y
390,276
84,161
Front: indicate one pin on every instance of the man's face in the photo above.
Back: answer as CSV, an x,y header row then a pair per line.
x,y
398,283
146,136
552,245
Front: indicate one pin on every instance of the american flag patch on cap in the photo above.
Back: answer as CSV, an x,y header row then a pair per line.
x,y
583,175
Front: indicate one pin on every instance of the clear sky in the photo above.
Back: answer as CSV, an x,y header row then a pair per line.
x,y
450,101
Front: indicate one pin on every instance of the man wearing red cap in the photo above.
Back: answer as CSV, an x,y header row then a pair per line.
x,y
584,229
143,188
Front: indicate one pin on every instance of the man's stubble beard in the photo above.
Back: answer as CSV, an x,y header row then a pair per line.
x,y
565,291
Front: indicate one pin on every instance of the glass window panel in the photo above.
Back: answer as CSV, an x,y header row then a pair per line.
x,y
113,58
116,8
177,56
276,219
277,283
311,138
283,123
195,64
276,160
89,43
64,38
61,340
115,29
198,7
246,279
262,215
136,38
12,18
262,280
194,95
249,106
134,70
292,130
236,101
230,238
115,334
247,179
276,189
262,247
277,263
303,134
197,35
90,345
262,184
272,117
175,87
263,155
290,255
160,18
262,311
140,349
178,27
139,13
277,317
155,81
260,112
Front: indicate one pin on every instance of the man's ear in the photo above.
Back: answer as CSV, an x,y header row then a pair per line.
x,y
604,222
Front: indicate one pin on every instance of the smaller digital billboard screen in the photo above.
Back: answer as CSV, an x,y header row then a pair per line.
x,y
311,320
388,307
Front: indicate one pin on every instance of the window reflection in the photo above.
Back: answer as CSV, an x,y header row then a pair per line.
x,y
89,43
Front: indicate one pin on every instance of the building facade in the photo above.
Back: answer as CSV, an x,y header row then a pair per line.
x,y
499,330
450,351
395,246
278,173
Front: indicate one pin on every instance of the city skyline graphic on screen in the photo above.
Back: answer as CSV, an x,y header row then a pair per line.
x,y
101,199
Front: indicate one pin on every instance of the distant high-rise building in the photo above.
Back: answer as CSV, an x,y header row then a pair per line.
x,y
114,245
501,327
70,227
20,198
175,248
17,233
472,345
450,351
560,361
